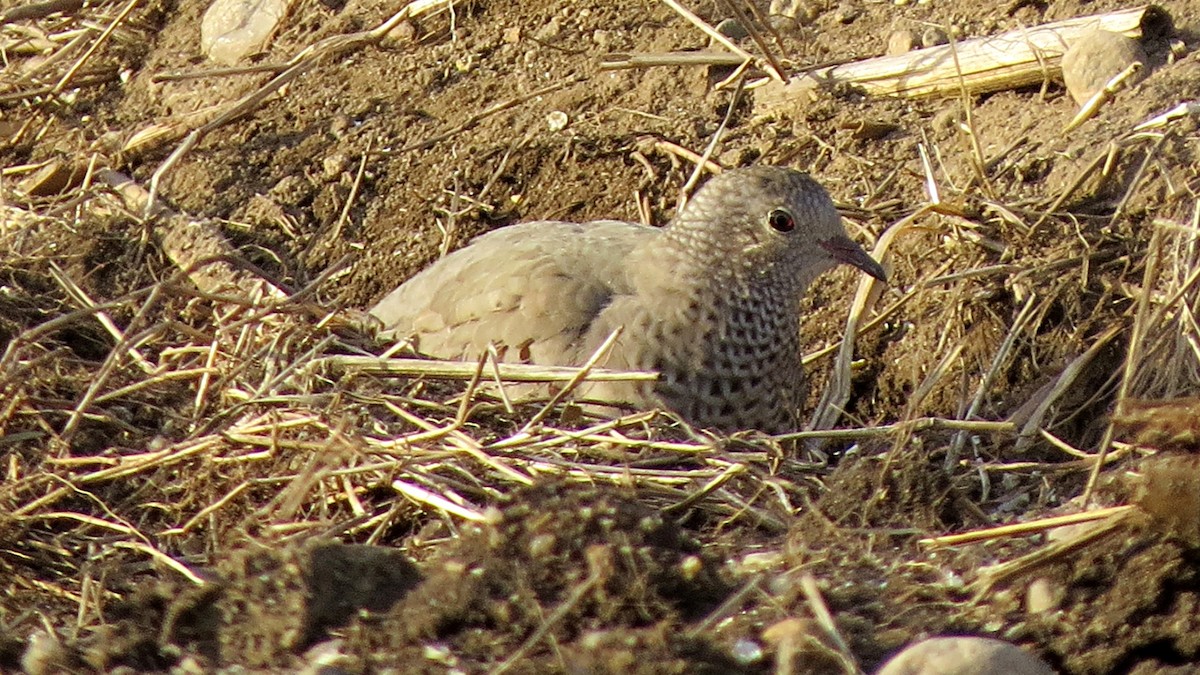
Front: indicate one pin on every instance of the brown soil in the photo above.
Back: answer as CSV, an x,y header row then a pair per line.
x,y
183,491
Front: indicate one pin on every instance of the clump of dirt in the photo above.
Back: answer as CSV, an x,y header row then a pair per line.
x,y
276,603
1150,590
562,565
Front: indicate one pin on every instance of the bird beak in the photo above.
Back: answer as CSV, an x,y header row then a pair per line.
x,y
843,250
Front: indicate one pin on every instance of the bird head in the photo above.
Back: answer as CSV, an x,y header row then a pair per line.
x,y
769,218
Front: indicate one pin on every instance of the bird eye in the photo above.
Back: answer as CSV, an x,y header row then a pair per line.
x,y
781,220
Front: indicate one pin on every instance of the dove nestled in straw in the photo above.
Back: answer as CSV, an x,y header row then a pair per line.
x,y
710,301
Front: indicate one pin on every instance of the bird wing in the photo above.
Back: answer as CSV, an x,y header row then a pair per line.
x,y
534,288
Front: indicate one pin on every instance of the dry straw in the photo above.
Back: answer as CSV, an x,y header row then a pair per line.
x,y
217,405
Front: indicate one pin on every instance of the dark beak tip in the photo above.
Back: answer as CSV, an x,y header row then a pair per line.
x,y
876,270
849,253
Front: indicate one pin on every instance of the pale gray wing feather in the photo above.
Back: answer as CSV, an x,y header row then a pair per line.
x,y
534,287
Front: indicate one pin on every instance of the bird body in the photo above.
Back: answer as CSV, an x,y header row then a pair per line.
x,y
710,302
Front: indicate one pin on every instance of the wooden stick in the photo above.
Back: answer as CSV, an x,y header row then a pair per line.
x,y
464,370
1020,529
194,245
1014,59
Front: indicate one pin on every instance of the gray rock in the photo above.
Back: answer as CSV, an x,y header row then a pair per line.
x,y
1097,57
964,656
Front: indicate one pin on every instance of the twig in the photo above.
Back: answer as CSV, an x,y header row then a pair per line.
x,y
1132,355
484,114
910,426
111,363
597,355
812,594
83,300
716,35
1106,94
103,76
1020,57
336,234
163,558
990,576
1019,529
620,61
299,64
207,511
837,392
707,489
493,358
108,31
680,151
735,7
422,496
39,10
712,143
463,370
1064,381
218,72
600,568
985,384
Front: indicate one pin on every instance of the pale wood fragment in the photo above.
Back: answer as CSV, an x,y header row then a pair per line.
x,y
195,245
1017,58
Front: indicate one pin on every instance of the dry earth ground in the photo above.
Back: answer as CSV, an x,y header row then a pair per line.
x,y
179,463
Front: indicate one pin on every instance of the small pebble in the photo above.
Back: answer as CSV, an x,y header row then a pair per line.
x,y
964,656
734,156
557,120
189,665
1097,57
325,658
44,654
901,42
541,546
947,118
789,630
334,165
793,14
339,124
1042,596
934,36
550,31
732,29
233,29
404,33
691,567
747,652
846,13
760,562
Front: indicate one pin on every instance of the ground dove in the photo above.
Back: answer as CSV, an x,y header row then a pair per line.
x,y
710,302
